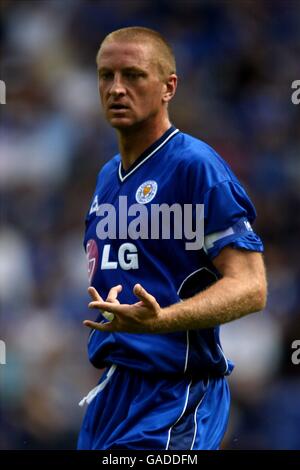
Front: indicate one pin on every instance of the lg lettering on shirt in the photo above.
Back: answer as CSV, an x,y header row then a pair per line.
x,y
127,257
127,254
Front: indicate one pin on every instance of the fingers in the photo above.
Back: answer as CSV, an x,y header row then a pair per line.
x,y
143,295
94,294
113,293
108,306
98,326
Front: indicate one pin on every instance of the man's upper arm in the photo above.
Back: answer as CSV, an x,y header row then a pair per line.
x,y
241,264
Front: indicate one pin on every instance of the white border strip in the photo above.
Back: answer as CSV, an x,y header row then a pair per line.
x,y
182,413
187,350
223,354
210,239
191,274
94,392
195,416
146,158
187,333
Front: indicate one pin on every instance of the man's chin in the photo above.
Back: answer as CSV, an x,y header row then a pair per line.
x,y
121,124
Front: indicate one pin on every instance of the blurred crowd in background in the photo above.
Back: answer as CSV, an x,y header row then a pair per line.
x,y
236,62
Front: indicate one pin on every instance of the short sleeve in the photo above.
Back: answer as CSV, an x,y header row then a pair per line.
x,y
228,215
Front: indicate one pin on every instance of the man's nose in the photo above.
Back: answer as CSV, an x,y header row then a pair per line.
x,y
117,88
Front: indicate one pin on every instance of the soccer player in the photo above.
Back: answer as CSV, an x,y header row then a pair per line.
x,y
161,297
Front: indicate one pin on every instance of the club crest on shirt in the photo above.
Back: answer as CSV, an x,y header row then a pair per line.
x,y
146,192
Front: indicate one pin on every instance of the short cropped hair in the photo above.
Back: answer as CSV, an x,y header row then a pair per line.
x,y
164,56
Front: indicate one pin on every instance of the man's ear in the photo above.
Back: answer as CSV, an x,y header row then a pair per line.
x,y
170,86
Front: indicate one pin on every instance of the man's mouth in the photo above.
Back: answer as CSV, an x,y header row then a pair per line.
x,y
118,107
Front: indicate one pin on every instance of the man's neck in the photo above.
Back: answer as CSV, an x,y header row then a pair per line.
x,y
133,142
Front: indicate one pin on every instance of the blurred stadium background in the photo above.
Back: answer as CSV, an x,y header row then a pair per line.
x,y
236,62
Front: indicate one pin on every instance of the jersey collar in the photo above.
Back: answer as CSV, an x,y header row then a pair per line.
x,y
149,152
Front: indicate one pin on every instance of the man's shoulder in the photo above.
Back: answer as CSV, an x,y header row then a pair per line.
x,y
110,166
199,154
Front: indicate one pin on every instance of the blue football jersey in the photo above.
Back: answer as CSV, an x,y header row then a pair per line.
x,y
182,170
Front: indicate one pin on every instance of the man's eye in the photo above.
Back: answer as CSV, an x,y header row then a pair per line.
x,y
105,76
132,75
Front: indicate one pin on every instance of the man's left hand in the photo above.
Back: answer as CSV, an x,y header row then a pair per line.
x,y
141,317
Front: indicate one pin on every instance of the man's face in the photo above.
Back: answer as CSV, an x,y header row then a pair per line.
x,y
130,86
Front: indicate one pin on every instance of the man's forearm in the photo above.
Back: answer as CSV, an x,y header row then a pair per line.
x,y
226,300
242,289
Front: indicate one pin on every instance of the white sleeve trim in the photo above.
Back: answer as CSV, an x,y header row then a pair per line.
x,y
209,240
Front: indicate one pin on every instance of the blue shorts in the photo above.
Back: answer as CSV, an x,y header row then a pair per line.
x,y
128,410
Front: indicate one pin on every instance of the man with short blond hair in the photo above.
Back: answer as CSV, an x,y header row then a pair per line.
x,y
157,332
163,53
